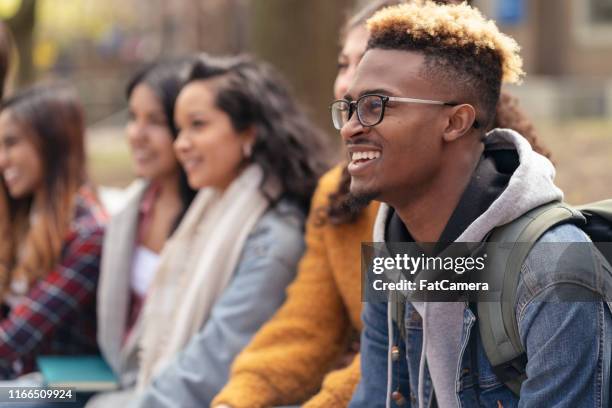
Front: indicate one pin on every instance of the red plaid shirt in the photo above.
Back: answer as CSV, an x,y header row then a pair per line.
x,y
58,314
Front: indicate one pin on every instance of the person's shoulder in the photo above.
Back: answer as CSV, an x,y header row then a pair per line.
x,y
328,183
88,223
563,254
129,198
557,246
279,232
283,217
564,233
90,217
331,179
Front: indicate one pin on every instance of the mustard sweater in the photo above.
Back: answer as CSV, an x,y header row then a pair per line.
x,y
289,361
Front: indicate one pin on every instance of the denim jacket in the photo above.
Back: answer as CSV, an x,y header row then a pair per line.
x,y
568,344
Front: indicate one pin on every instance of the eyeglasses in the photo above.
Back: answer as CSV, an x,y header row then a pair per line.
x,y
370,109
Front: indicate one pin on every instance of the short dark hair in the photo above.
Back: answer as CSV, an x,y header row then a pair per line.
x,y
288,146
460,46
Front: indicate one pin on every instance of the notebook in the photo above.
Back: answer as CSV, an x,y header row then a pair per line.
x,y
83,373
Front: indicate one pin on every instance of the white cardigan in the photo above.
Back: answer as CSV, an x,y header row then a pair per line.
x,y
114,289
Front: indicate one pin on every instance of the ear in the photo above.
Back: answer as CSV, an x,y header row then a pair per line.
x,y
460,122
249,135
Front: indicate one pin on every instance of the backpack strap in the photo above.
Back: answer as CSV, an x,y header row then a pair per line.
x,y
398,309
601,208
497,320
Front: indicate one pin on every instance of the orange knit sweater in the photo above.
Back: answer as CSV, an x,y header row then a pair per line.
x,y
290,359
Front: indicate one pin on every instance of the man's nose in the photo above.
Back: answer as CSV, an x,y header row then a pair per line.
x,y
351,128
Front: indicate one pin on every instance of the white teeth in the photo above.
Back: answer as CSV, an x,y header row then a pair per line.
x,y
365,155
191,163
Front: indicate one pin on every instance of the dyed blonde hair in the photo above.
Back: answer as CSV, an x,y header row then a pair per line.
x,y
464,52
450,26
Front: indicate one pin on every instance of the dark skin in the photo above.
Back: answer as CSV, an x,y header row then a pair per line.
x,y
427,152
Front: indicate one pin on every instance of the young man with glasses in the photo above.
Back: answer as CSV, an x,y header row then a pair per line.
x,y
414,125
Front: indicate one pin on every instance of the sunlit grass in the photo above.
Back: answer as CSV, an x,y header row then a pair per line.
x,y
582,152
109,158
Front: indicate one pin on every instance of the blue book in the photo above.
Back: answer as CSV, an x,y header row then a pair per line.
x,y
84,373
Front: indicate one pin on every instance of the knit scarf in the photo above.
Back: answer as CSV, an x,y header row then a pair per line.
x,y
195,267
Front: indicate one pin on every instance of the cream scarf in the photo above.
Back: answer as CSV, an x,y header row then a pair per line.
x,y
196,265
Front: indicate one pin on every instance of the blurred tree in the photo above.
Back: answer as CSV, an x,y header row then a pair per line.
x,y
22,24
551,37
301,39
214,26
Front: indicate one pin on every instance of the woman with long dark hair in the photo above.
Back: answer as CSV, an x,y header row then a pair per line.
x,y
154,207
51,226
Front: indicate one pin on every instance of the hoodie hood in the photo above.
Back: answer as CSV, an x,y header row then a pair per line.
x,y
530,186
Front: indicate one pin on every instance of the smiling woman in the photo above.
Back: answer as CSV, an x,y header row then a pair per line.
x,y
21,164
154,208
51,224
233,117
212,152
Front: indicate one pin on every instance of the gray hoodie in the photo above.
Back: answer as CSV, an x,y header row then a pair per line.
x,y
530,186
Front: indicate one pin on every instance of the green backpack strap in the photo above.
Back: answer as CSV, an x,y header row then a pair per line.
x,y
497,321
601,208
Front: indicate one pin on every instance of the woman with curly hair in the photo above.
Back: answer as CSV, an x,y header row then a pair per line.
x,y
52,229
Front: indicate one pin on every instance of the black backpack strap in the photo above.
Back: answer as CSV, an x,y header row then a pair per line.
x,y
398,309
496,320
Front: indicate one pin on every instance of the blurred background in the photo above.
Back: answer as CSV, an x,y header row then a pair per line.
x,y
98,44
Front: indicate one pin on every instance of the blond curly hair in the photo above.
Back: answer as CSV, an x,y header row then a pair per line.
x,y
451,26
459,45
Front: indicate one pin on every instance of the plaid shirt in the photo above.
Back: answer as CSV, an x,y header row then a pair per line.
x,y
58,315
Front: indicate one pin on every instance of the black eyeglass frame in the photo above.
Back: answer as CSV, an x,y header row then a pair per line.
x,y
384,99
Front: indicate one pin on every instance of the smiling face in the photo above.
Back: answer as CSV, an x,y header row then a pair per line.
x,y
401,155
149,135
352,52
20,162
208,147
